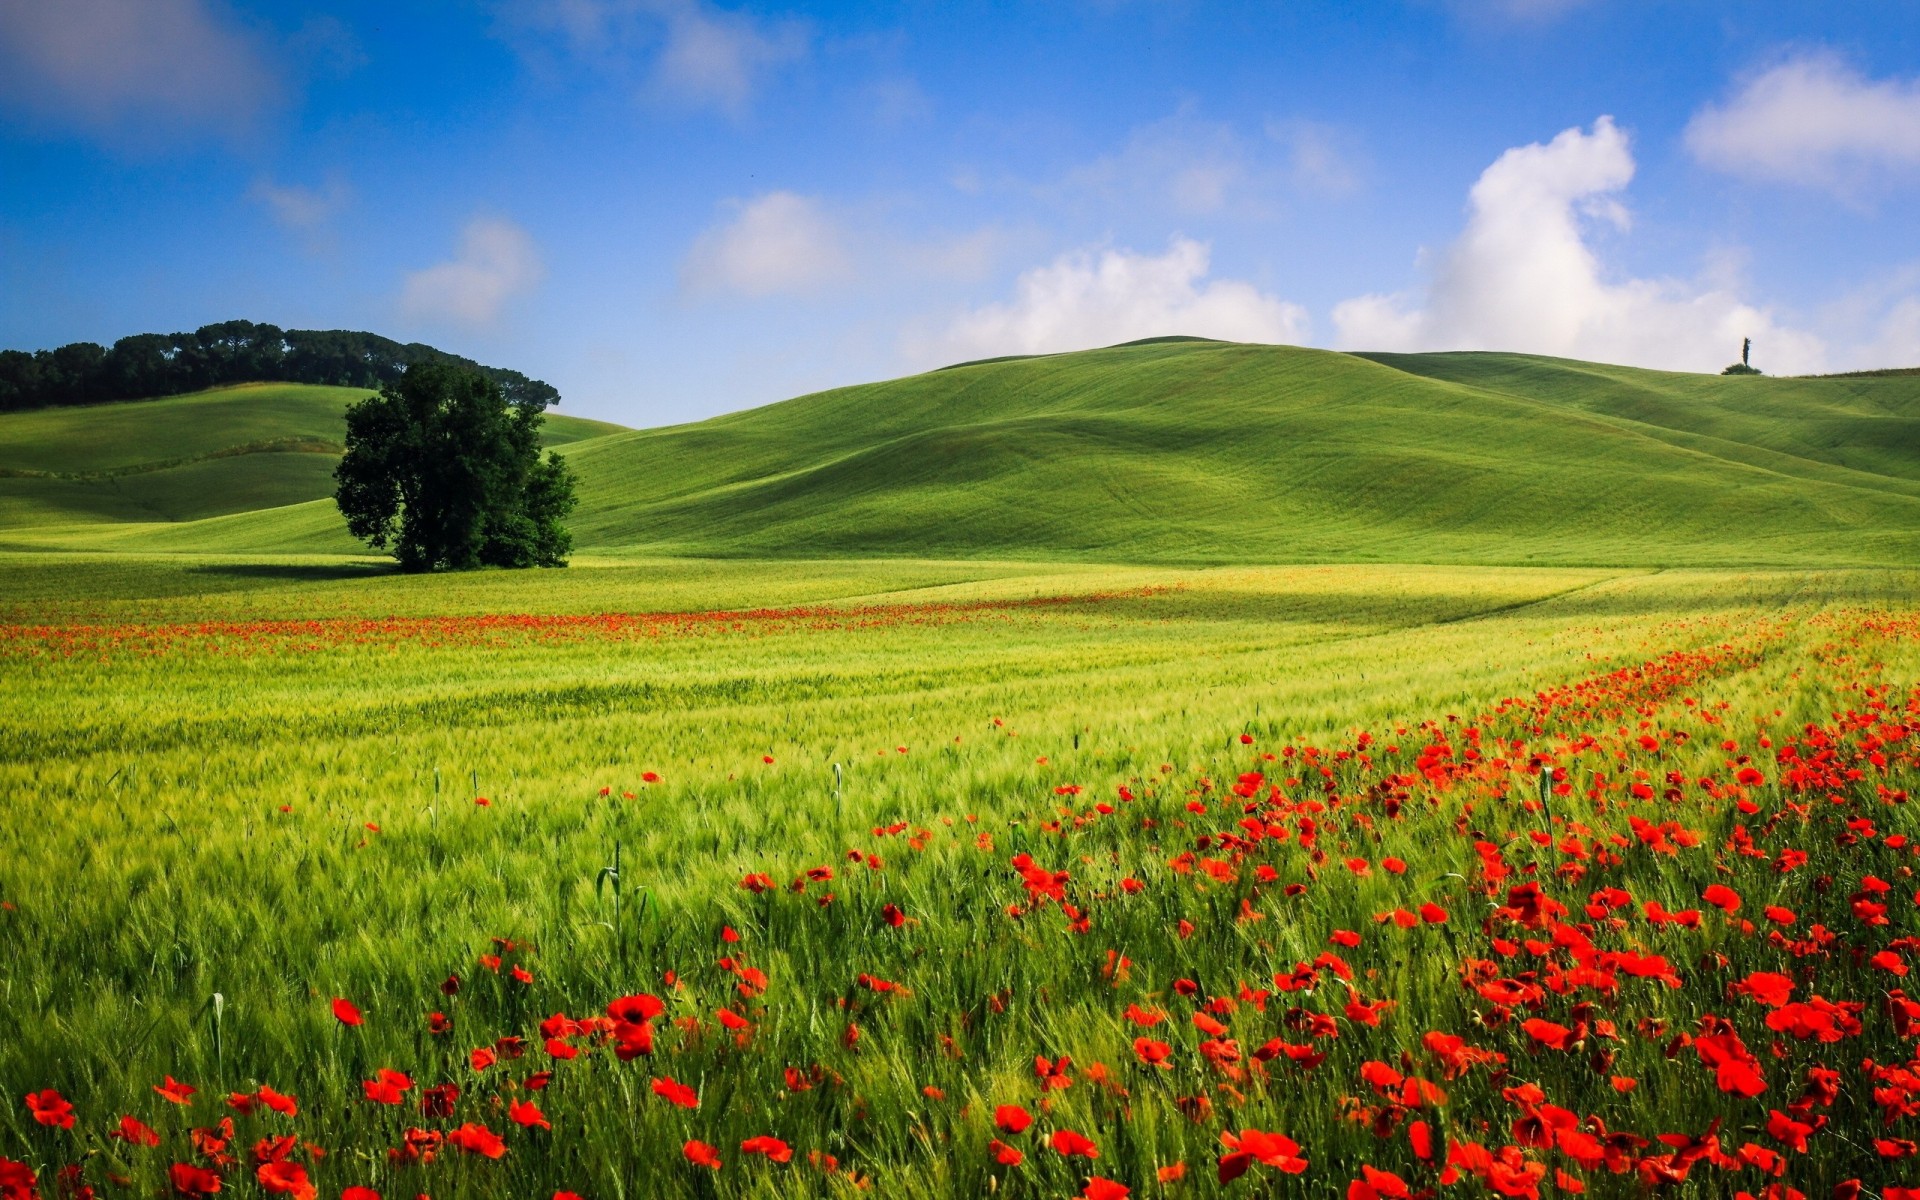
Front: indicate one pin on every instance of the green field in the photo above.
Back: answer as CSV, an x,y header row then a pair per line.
x,y
257,778
183,458
1469,768
1171,452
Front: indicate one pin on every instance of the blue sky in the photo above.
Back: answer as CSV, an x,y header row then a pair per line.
x,y
672,208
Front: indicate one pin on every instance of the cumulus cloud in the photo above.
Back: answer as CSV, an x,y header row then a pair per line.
x,y
779,243
1812,121
1100,297
1523,275
144,65
496,262
701,55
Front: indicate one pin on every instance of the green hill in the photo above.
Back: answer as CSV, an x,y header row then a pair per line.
x,y
183,458
1190,450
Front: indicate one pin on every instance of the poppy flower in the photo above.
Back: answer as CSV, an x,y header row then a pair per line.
x,y
286,1179
1152,1053
1251,1145
774,1149
1011,1118
674,1092
1375,1184
135,1132
345,1012
387,1087
50,1108
527,1114
477,1139
1005,1155
1068,1144
280,1102
1105,1189
701,1155
175,1091
438,1101
1172,1173
1722,897
189,1180
357,1192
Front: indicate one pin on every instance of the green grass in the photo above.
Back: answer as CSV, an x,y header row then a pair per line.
x,y
184,458
1170,451
170,706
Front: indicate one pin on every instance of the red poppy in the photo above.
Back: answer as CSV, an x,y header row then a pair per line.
x,y
1005,1155
1251,1146
356,1192
674,1092
477,1139
701,1155
280,1102
175,1091
345,1012
774,1149
1172,1173
387,1087
1152,1053
527,1114
1375,1184
1722,897
50,1108
135,1132
286,1179
1011,1118
189,1180
1104,1189
1068,1144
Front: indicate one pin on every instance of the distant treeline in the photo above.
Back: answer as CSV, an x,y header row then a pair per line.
x,y
166,364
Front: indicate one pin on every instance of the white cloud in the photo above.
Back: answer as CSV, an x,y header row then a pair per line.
x,y
702,56
1098,298
497,261
1320,164
717,58
1519,10
1177,164
298,208
111,65
784,244
1522,276
779,243
1813,121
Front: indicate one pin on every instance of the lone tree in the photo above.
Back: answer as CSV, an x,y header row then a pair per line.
x,y
443,469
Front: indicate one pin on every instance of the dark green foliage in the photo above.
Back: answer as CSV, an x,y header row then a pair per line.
x,y
1741,368
166,364
445,470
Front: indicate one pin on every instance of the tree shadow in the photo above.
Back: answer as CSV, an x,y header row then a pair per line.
x,y
298,572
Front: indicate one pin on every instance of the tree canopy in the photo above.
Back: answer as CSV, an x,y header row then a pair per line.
x,y
444,469
166,364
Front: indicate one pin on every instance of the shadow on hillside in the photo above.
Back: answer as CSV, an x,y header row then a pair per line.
x,y
297,572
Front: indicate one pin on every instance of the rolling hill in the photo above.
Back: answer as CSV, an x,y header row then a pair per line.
x,y
1174,450
185,458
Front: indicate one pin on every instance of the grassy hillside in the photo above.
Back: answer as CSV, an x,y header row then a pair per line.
x,y
183,458
1214,451
1171,451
